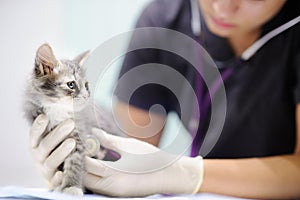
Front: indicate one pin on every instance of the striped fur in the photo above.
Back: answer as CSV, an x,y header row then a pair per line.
x,y
58,88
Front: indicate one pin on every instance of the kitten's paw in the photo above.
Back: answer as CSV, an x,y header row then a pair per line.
x,y
76,191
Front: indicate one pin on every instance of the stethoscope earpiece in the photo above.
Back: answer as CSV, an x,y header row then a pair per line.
x,y
195,21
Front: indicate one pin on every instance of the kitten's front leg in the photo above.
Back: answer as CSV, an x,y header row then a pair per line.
x,y
74,169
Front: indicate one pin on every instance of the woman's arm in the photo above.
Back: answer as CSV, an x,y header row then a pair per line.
x,y
140,124
274,177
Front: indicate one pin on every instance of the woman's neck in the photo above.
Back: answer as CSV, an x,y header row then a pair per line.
x,y
240,43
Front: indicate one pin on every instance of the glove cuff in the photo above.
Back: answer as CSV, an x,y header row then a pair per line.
x,y
185,176
201,174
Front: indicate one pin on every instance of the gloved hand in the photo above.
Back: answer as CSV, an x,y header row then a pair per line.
x,y
42,146
142,170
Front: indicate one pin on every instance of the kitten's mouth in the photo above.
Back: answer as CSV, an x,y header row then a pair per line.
x,y
80,103
81,97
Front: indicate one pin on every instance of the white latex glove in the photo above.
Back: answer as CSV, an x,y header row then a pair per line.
x,y
42,146
142,170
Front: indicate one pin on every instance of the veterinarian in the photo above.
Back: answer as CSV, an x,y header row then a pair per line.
x,y
255,45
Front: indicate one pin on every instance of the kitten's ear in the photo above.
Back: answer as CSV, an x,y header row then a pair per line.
x,y
81,58
45,60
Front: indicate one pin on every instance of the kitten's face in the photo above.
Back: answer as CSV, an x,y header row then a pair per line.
x,y
60,81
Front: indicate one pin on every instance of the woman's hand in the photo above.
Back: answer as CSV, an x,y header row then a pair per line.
x,y
142,170
44,147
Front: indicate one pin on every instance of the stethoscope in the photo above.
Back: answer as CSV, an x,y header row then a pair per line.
x,y
223,65
248,53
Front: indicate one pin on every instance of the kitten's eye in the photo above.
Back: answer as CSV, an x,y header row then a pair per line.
x,y
71,85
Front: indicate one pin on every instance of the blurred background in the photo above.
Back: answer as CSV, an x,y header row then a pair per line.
x,y
71,27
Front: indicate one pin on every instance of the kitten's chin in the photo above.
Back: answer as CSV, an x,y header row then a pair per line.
x,y
79,104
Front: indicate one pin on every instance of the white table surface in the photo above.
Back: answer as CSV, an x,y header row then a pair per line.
x,y
13,192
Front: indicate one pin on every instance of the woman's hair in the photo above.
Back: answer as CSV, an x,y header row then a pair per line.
x,y
289,11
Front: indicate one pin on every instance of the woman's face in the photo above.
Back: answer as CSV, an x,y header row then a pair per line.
x,y
230,18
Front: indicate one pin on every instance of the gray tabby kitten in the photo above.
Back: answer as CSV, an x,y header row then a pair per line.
x,y
59,89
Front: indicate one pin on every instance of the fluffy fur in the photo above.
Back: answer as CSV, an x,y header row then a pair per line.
x,y
59,89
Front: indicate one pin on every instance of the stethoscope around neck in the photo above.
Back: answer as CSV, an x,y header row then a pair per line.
x,y
250,51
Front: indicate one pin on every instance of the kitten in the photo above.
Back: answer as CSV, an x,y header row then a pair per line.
x,y
59,89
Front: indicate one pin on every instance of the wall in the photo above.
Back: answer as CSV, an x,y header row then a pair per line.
x,y
70,26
